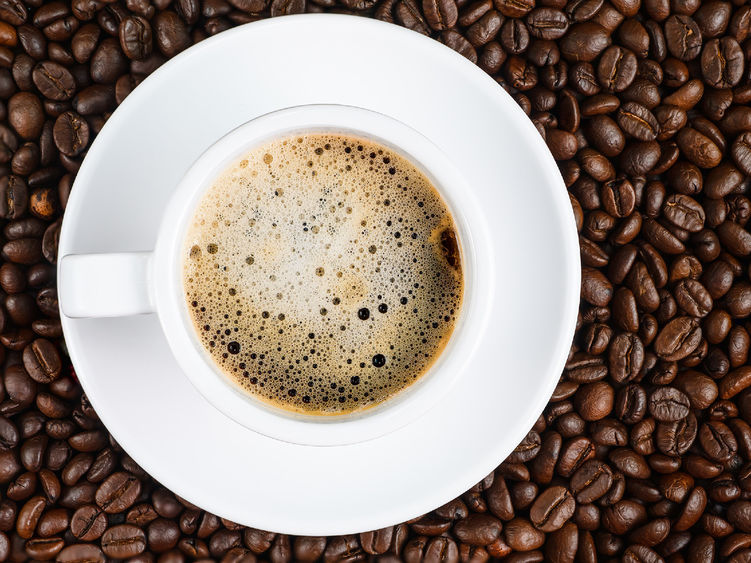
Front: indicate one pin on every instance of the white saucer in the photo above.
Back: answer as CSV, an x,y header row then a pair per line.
x,y
126,366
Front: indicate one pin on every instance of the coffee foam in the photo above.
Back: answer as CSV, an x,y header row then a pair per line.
x,y
322,273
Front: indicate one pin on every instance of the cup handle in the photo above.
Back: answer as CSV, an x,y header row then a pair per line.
x,y
106,285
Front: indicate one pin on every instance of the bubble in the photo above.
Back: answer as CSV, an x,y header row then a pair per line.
x,y
363,314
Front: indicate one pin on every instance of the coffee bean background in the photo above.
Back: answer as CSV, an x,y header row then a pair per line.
x,y
644,451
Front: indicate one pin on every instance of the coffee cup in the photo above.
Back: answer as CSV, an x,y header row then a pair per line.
x,y
151,281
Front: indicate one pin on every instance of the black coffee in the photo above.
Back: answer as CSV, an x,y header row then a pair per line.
x,y
323,273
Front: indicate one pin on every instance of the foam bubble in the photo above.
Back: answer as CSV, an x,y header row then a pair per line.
x,y
322,273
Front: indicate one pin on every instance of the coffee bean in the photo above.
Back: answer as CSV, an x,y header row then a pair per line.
x,y
432,525
373,543
26,115
668,404
118,492
596,289
71,133
170,33
698,148
684,212
13,196
440,14
28,516
616,69
638,121
547,23
584,42
53,522
630,463
123,541
521,535
722,62
527,449
143,514
135,37
552,509
458,43
42,361
81,552
44,548
678,339
631,403
514,36
683,37
717,440
478,529
591,481
618,197
54,81
699,388
734,238
626,357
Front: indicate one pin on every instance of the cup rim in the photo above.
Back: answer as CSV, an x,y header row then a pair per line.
x,y
255,414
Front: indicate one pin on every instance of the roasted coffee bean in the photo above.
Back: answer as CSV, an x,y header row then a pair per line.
x,y
456,41
28,516
616,69
118,492
42,361
170,33
71,133
514,8
81,552
591,481
683,37
547,23
14,197
741,152
521,535
478,529
54,81
700,390
123,541
685,212
717,441
584,42
678,339
52,522
552,508
668,404
638,121
698,148
514,36
675,438
440,14
722,62
135,37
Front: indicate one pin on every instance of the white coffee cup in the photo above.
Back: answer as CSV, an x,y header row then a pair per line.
x,y
120,284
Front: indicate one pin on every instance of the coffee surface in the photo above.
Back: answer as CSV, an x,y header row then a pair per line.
x,y
322,273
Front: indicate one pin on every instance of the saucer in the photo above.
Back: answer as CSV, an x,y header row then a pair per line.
x,y
126,366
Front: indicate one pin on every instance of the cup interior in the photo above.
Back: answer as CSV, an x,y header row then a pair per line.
x,y
415,399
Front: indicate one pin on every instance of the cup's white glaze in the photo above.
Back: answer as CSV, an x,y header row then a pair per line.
x,y
147,282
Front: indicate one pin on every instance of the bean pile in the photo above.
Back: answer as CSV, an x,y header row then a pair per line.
x,y
644,452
